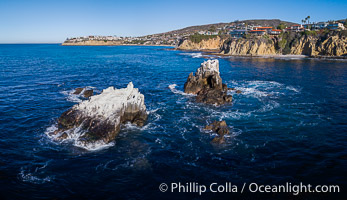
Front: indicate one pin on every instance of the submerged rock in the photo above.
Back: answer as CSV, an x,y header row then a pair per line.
x,y
86,92
98,120
78,90
207,84
221,128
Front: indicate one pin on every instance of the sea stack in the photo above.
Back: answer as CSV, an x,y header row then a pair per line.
x,y
207,84
98,120
221,128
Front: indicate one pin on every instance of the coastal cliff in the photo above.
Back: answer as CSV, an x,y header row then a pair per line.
x,y
332,44
256,46
288,43
212,43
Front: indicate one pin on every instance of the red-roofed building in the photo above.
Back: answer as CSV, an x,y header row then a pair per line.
x,y
275,31
295,28
267,29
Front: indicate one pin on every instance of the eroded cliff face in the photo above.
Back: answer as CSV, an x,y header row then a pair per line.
x,y
330,45
209,44
258,46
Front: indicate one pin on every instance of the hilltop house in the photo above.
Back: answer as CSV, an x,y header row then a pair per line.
x,y
295,28
267,29
275,32
238,33
258,32
336,26
319,25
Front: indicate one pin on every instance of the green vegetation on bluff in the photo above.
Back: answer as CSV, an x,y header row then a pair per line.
x,y
196,38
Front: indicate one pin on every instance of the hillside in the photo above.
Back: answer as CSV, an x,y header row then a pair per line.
x,y
172,38
261,22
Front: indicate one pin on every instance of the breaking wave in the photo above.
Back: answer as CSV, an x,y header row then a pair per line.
x,y
173,89
77,98
34,174
193,55
72,136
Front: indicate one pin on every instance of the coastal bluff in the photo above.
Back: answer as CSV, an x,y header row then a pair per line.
x,y
214,43
288,43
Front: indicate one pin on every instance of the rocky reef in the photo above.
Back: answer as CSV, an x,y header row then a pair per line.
x,y
219,127
207,84
97,120
84,91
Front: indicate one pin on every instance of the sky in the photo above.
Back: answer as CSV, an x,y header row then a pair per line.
x,y
52,21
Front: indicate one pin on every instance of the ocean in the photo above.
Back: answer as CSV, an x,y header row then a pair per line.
x,y
289,124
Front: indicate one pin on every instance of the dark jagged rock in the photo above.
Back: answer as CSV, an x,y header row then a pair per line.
x,y
221,128
78,90
207,84
84,91
97,121
88,93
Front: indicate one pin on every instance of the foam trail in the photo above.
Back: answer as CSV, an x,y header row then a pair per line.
x,y
174,90
193,55
73,137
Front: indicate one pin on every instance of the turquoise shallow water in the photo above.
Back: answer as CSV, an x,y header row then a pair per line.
x,y
288,124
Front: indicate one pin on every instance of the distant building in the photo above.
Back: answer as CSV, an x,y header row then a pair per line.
x,y
336,26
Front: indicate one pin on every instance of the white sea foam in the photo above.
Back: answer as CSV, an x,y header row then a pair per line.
x,y
193,55
93,146
173,89
77,98
297,90
36,175
73,136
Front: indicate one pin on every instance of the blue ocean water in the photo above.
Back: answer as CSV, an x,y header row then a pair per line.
x,y
289,124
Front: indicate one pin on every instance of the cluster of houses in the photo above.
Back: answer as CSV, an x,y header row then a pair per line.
x,y
93,37
240,30
101,38
255,30
235,30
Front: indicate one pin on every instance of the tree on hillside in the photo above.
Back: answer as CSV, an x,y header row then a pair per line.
x,y
212,29
308,18
281,26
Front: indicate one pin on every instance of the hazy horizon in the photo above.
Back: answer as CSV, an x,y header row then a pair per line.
x,y
41,21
